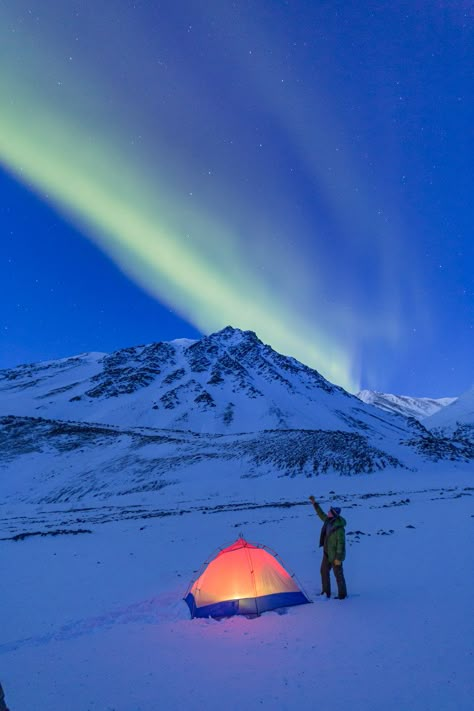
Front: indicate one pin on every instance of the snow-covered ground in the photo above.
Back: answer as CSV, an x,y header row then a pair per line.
x,y
95,621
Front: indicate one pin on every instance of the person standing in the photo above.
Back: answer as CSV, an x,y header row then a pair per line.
x,y
333,542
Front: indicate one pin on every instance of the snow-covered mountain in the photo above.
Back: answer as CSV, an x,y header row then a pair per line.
x,y
457,419
418,407
228,382
146,418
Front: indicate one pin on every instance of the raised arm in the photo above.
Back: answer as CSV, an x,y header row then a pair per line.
x,y
318,508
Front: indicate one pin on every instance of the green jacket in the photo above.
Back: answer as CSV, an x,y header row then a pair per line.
x,y
335,542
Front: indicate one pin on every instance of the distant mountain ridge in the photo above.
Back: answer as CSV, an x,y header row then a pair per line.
x,y
456,420
417,407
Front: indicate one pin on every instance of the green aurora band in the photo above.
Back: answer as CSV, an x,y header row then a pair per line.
x,y
115,206
73,148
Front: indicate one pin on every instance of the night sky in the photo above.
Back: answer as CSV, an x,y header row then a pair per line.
x,y
302,169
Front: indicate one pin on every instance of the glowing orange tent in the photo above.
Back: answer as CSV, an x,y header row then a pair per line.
x,y
243,579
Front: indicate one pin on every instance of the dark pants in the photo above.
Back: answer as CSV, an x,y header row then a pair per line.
x,y
338,574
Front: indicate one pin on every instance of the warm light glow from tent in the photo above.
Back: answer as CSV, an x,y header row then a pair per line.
x,y
241,572
243,579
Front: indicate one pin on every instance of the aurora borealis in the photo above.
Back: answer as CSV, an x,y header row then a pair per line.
x,y
272,167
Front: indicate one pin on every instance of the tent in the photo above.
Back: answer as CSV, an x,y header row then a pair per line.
x,y
242,579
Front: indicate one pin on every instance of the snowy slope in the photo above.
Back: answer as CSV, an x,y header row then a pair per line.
x,y
457,419
228,382
418,407
53,461
50,461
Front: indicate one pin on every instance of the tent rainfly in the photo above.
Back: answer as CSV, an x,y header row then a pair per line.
x,y
242,579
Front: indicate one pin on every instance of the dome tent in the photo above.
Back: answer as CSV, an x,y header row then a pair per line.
x,y
242,579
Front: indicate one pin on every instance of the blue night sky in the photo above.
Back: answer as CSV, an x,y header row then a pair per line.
x,y
301,169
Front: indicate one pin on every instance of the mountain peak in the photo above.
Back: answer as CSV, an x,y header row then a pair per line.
x,y
235,334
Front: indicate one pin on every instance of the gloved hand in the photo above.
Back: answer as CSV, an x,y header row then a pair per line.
x,y
337,562
312,499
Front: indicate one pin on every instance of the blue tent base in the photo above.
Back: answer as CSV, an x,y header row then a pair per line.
x,y
249,606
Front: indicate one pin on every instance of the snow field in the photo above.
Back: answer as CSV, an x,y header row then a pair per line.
x,y
95,622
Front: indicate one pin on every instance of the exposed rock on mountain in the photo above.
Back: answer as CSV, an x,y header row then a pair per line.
x,y
226,382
